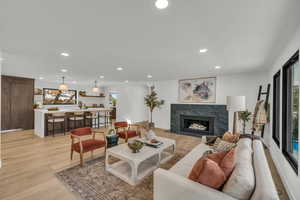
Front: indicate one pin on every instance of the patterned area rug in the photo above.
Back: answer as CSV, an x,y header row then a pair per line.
x,y
92,182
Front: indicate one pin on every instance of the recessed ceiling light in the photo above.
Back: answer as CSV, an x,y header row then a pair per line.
x,y
161,4
203,50
74,82
64,54
41,78
126,81
101,76
149,76
64,70
218,67
120,68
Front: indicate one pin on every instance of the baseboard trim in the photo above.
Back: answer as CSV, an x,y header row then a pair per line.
x,y
12,130
282,176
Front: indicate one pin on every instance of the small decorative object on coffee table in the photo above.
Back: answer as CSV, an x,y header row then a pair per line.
x,y
150,134
112,138
135,146
153,143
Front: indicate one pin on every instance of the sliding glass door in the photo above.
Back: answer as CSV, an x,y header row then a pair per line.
x,y
290,117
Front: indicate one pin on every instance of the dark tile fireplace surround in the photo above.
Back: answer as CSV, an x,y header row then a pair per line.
x,y
199,119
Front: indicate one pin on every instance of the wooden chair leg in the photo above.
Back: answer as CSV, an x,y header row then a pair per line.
x,y
81,159
72,154
64,125
53,128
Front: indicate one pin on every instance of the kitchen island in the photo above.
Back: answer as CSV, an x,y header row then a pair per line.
x,y
40,117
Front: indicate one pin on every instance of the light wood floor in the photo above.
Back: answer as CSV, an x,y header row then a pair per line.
x,y
30,162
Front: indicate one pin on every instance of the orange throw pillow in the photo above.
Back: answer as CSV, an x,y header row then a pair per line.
x,y
214,170
208,172
225,159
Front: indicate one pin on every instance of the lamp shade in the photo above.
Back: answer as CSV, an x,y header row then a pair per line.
x,y
63,87
96,90
236,103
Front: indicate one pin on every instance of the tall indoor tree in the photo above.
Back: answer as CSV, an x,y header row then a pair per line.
x,y
152,102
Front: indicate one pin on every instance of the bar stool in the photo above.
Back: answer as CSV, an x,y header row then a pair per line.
x,y
75,118
93,118
101,117
108,118
56,118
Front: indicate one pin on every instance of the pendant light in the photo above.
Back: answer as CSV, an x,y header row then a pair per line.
x,y
63,87
96,89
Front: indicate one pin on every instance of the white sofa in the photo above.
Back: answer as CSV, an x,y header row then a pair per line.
x,y
173,184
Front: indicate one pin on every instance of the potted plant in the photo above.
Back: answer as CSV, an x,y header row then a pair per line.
x,y
244,116
35,106
152,102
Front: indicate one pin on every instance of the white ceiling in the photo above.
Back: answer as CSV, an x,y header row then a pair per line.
x,y
241,36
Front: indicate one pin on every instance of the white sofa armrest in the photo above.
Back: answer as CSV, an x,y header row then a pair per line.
x,y
168,185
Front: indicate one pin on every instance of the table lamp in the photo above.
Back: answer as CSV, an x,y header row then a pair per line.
x,y
236,104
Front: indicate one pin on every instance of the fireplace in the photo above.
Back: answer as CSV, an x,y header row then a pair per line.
x,y
201,125
199,119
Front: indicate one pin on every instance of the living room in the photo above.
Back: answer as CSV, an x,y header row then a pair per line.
x,y
122,100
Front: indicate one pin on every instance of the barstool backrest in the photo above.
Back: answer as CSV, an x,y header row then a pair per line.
x,y
58,114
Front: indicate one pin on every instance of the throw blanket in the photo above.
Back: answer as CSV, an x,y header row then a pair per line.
x,y
261,115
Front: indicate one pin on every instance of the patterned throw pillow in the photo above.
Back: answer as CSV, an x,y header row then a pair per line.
x,y
210,140
229,137
221,145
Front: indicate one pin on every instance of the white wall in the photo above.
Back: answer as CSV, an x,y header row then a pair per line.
x,y
290,179
86,100
130,104
230,85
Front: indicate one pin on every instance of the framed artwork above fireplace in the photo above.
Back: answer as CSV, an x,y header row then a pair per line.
x,y
198,90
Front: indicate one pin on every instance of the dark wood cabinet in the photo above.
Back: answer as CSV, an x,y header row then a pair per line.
x,y
17,103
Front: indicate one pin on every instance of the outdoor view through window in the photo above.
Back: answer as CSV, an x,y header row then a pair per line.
x,y
295,109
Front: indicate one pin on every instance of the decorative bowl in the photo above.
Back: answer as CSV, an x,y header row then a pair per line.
x,y
135,146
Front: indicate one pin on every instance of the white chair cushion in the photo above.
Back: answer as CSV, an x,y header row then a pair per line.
x,y
241,183
56,120
76,118
245,143
265,188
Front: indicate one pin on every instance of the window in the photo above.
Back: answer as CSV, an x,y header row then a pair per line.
x,y
290,110
276,108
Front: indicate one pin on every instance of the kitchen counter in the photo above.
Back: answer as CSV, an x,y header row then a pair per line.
x,y
39,117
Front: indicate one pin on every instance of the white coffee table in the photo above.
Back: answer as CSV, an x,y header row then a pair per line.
x,y
133,167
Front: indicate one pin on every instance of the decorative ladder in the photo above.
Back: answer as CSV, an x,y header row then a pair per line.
x,y
267,95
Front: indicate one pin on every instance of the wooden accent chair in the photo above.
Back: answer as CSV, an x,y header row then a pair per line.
x,y
83,146
125,131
